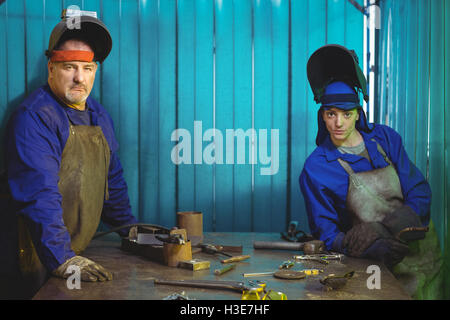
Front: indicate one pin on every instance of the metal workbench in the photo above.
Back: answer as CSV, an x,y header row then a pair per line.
x,y
133,275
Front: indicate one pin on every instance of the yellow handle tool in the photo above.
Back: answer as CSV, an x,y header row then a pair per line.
x,y
219,272
236,259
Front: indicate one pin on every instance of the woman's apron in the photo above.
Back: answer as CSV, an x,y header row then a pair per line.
x,y
83,184
371,196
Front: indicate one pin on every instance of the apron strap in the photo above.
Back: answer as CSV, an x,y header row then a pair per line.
x,y
346,166
380,150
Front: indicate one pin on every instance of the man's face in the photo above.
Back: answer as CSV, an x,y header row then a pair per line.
x,y
340,123
72,81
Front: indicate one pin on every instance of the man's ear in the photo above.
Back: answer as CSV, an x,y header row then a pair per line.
x,y
50,67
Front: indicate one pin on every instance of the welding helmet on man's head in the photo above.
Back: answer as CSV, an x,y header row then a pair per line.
x,y
82,26
336,79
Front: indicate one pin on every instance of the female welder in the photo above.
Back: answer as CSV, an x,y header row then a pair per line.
x,y
363,195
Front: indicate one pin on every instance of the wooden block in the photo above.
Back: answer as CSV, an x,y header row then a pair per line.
x,y
194,264
174,253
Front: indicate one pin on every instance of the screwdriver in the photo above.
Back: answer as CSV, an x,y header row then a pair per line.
x,y
210,249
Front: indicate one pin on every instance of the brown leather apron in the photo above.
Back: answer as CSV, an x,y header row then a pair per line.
x,y
83,184
373,194
376,193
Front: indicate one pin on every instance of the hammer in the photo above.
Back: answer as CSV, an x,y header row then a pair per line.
x,y
309,247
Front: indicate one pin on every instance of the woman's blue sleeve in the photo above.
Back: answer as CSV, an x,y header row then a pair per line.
x,y
322,217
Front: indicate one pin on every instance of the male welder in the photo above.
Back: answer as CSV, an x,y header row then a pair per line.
x,y
63,172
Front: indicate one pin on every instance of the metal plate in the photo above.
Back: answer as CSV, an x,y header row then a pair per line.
x,y
289,274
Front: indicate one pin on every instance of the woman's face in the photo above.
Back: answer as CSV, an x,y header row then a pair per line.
x,y
341,125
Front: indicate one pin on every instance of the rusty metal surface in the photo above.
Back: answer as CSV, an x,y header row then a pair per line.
x,y
134,275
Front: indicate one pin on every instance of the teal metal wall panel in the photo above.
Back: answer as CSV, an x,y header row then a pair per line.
x,y
336,26
280,114
242,175
129,96
204,98
165,186
224,111
446,116
436,110
299,100
149,113
411,68
224,64
4,105
423,87
414,82
263,101
186,98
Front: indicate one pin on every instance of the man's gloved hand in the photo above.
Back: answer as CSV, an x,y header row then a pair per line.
x,y
90,271
133,233
372,240
403,218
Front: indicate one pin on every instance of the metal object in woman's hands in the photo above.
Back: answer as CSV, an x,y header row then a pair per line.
x,y
321,258
309,247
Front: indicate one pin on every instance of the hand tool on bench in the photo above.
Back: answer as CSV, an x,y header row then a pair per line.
x,y
295,235
309,247
286,265
211,249
336,282
219,272
207,284
236,259
285,273
249,291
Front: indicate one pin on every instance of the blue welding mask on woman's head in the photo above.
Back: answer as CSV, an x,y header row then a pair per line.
x,y
340,95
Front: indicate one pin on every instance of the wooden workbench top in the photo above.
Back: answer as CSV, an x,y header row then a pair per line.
x,y
134,275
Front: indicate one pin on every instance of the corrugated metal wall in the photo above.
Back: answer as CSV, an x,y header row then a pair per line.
x,y
229,64
414,68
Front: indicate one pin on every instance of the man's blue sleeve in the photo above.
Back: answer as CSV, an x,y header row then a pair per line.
x,y
415,188
33,153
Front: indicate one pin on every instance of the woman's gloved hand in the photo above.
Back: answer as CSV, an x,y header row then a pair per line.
x,y
90,271
388,251
372,240
362,236
403,218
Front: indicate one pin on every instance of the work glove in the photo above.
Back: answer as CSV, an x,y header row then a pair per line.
x,y
372,240
403,218
90,271
388,251
133,233
362,236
